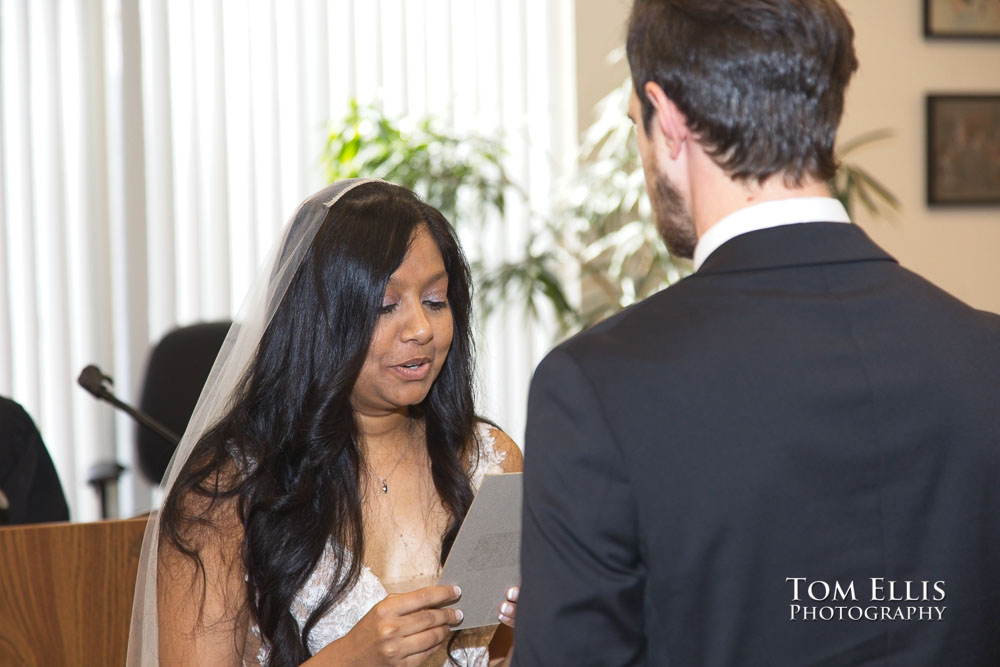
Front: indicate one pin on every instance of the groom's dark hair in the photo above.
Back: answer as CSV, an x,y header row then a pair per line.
x,y
760,82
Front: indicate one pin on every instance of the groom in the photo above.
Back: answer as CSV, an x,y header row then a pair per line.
x,y
791,457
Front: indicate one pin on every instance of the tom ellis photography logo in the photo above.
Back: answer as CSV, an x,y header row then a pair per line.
x,y
875,599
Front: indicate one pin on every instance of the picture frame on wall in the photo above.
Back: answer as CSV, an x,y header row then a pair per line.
x,y
969,19
963,150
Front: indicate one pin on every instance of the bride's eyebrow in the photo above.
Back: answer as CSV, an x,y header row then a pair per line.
x,y
393,280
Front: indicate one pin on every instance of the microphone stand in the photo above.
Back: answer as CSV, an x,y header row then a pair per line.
x,y
92,379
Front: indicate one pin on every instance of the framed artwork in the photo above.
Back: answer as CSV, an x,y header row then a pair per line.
x,y
976,19
963,149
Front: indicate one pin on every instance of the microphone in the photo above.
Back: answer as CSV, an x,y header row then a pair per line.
x,y
92,379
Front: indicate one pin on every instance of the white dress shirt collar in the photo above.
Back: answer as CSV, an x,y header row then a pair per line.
x,y
766,215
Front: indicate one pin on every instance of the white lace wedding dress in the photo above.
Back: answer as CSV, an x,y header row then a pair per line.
x,y
470,648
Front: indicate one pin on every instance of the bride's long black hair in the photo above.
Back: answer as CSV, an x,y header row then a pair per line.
x,y
283,453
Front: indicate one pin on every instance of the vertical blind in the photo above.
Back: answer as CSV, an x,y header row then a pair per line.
x,y
150,151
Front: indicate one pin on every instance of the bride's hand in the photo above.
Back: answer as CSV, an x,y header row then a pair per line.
x,y
402,629
502,644
509,608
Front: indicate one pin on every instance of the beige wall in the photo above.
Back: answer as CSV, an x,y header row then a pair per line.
x,y
956,248
600,28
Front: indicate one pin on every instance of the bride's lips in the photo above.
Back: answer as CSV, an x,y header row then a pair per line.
x,y
417,368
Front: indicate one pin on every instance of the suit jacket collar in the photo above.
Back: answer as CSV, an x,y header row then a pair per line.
x,y
794,245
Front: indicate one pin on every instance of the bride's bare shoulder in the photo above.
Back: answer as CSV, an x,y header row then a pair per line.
x,y
506,448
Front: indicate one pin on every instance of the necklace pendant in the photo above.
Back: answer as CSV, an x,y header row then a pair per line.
x,y
385,487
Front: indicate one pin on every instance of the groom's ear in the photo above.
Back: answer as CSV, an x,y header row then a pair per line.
x,y
669,119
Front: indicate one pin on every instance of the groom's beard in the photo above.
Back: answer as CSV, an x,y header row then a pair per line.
x,y
673,218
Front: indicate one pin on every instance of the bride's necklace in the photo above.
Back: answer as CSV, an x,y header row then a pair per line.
x,y
384,481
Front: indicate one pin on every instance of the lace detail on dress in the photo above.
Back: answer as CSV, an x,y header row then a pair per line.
x,y
470,649
490,460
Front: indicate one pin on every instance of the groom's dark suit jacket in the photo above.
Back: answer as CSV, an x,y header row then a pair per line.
x,y
801,407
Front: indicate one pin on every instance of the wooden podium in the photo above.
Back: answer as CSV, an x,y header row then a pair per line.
x,y
66,592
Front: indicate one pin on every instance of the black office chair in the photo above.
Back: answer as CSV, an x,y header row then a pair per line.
x,y
175,374
30,491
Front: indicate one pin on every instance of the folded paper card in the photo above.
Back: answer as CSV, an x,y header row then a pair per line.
x,y
485,559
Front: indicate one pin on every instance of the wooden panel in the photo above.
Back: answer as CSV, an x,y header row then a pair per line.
x,y
66,592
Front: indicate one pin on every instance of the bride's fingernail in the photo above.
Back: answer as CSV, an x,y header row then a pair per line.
x,y
460,615
512,593
458,591
506,609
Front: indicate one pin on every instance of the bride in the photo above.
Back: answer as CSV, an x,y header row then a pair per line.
x,y
331,457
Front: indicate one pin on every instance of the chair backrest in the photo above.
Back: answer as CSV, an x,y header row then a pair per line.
x,y
175,374
66,592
